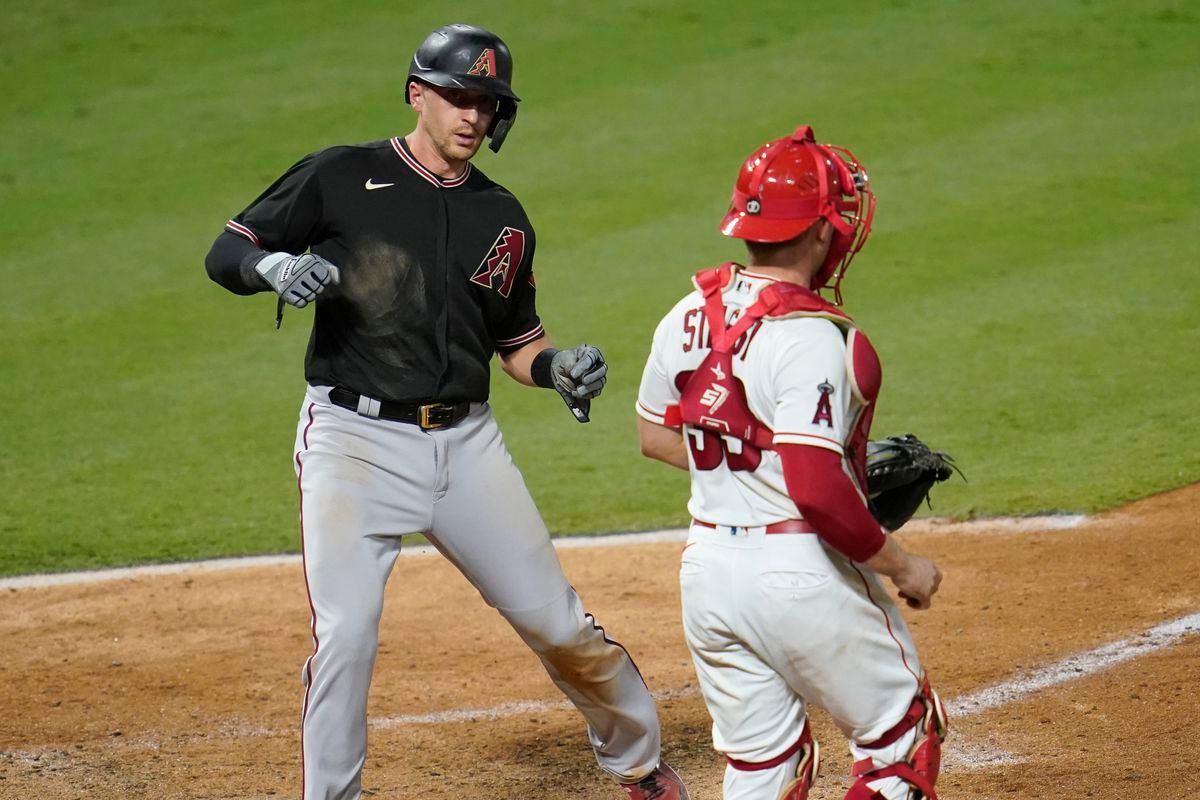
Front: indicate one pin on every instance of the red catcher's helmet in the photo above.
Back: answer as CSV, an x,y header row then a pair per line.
x,y
788,184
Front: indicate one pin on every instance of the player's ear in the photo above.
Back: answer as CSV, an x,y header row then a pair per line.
x,y
416,96
824,231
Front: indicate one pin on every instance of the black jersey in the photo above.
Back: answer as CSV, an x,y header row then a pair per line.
x,y
436,274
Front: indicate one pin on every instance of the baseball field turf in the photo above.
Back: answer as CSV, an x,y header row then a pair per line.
x,y
1032,283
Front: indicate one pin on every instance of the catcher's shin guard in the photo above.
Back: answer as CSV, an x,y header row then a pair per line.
x,y
806,770
924,760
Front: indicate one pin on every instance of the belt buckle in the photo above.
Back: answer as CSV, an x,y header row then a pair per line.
x,y
423,417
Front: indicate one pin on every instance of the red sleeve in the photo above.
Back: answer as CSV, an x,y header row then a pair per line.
x,y
827,498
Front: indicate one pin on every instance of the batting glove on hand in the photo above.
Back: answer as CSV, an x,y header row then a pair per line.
x,y
297,279
580,372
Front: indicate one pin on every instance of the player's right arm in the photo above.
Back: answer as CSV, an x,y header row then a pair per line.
x,y
230,263
813,398
915,576
826,497
263,247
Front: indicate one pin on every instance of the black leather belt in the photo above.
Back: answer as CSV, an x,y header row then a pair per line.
x,y
429,416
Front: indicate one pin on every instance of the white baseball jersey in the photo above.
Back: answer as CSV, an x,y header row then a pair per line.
x,y
795,376
774,622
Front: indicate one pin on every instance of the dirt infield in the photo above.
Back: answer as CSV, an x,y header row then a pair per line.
x,y
187,686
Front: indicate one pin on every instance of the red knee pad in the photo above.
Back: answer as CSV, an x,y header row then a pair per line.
x,y
924,761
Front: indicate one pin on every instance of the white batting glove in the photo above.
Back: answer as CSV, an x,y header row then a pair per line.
x,y
297,279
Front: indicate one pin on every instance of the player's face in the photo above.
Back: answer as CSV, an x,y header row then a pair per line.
x,y
455,119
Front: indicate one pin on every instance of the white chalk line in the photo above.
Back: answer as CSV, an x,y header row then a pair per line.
x,y
1054,522
960,751
1074,667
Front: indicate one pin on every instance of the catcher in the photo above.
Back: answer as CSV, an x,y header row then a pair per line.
x,y
765,391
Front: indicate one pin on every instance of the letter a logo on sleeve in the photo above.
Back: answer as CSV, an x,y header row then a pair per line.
x,y
502,262
824,410
485,65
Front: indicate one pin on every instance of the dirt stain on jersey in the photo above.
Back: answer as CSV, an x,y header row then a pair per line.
x,y
387,293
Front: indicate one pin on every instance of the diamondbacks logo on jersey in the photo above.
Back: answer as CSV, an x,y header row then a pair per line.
x,y
502,262
484,65
824,409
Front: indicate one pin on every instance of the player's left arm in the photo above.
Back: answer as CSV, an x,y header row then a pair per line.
x,y
517,364
580,371
528,355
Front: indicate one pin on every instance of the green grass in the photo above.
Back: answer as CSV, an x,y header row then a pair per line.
x,y
1032,280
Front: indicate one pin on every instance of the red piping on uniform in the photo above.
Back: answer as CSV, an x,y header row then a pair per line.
x,y
811,436
421,170
607,640
308,593
888,622
524,338
749,273
242,230
649,410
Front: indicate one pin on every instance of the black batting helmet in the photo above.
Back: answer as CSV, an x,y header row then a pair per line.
x,y
461,56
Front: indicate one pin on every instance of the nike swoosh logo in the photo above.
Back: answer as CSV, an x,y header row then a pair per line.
x,y
370,184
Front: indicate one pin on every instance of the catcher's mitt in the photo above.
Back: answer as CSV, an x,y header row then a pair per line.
x,y
900,472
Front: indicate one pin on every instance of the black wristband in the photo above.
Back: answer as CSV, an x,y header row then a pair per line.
x,y
250,275
539,370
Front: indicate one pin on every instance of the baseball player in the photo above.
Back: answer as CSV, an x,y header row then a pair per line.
x,y
420,269
765,391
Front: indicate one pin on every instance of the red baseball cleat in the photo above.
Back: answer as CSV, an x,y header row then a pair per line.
x,y
661,784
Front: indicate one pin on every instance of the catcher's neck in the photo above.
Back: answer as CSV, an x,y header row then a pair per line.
x,y
796,260
782,273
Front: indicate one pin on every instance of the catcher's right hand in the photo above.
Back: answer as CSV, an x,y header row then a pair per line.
x,y
900,472
297,279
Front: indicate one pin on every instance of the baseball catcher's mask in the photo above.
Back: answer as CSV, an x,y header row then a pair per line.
x,y
468,57
788,184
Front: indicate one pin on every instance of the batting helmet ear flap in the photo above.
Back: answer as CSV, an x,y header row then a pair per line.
x,y
506,115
